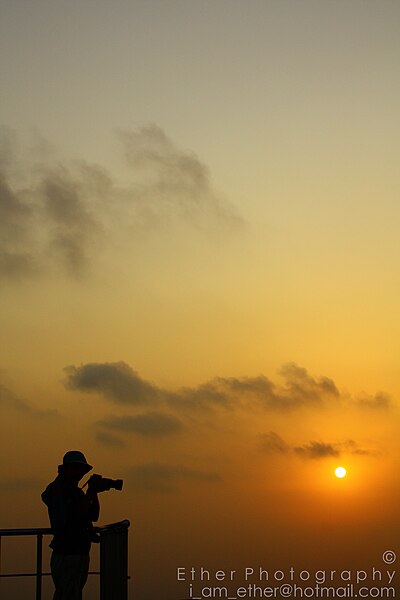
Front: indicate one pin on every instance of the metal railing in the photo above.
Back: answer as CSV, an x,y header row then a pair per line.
x,y
113,559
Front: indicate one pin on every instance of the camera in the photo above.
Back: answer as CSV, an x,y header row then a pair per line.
x,y
103,484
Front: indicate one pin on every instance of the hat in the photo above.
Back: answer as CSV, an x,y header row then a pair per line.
x,y
74,457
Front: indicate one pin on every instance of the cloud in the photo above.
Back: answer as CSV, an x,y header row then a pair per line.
x,y
173,182
45,217
317,450
8,144
380,401
58,214
158,477
351,447
273,443
9,400
47,223
303,389
206,396
299,390
108,439
72,228
152,424
15,234
119,383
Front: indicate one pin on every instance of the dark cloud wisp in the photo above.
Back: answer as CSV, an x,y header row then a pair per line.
x,y
159,477
272,443
315,450
10,400
108,439
174,182
152,424
380,401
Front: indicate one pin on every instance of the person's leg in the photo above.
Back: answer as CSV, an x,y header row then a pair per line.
x,y
84,570
56,569
69,575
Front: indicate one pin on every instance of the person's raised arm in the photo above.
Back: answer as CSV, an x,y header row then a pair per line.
x,y
94,505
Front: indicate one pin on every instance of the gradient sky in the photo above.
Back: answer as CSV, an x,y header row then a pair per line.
x,y
199,273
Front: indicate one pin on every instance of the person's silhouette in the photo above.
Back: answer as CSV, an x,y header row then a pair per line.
x,y
71,514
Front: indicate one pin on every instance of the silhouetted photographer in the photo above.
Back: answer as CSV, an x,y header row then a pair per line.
x,y
71,513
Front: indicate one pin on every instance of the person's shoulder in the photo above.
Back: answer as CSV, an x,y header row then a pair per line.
x,y
59,487
51,490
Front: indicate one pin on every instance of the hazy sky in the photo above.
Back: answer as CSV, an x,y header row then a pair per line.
x,y
199,271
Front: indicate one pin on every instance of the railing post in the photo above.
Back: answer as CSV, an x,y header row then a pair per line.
x,y
39,545
0,559
114,562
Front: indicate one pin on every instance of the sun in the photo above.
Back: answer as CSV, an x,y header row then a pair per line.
x,y
340,472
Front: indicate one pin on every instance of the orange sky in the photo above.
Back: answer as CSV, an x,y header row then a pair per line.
x,y
199,276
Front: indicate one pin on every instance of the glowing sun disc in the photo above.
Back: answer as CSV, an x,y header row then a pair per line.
x,y
340,472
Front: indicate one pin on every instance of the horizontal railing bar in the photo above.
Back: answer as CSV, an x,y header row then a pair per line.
x,y
47,531
34,574
29,531
21,574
